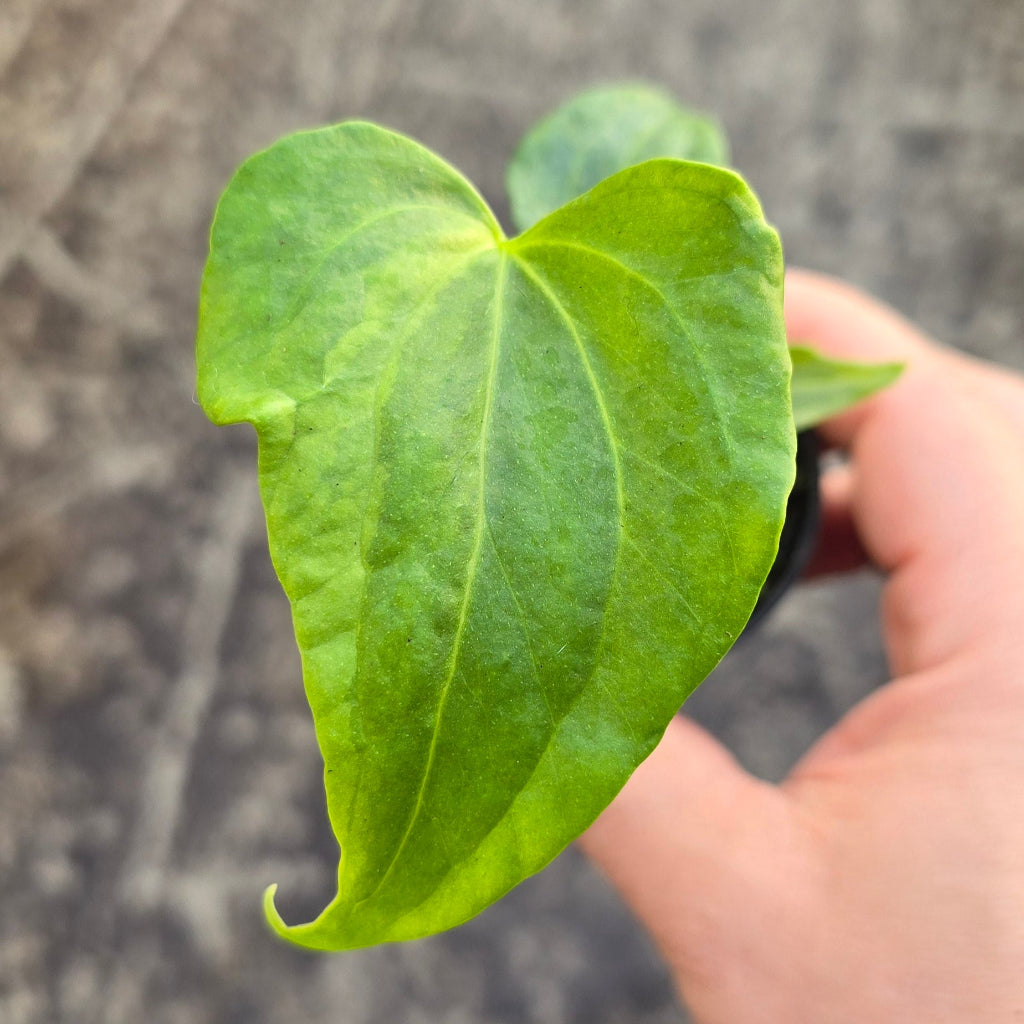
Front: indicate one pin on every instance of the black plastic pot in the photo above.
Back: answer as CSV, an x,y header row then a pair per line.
x,y
799,532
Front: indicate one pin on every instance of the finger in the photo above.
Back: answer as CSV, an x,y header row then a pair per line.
x,y
870,330
937,498
1002,388
699,849
838,320
850,324
838,548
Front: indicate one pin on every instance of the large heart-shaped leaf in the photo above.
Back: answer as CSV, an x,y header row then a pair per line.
x,y
521,494
597,133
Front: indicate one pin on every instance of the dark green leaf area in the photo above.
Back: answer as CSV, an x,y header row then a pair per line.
x,y
824,387
597,133
521,494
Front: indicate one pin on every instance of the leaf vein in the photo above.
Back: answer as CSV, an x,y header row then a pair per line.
x,y
556,304
474,560
522,619
323,255
660,573
712,504
686,329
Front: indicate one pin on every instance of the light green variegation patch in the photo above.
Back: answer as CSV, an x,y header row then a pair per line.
x,y
598,133
522,494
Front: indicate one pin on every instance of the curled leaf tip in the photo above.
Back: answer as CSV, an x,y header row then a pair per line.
x,y
270,911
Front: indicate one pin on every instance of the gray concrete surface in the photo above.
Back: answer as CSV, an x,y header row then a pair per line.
x,y
157,761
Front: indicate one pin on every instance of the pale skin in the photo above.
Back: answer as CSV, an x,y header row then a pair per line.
x,y
883,879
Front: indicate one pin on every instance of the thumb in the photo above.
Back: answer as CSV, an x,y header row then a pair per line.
x,y
709,858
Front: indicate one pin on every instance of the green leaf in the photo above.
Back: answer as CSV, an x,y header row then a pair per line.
x,y
823,387
521,494
596,134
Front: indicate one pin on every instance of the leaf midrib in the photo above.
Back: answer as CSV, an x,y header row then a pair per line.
x,y
571,707
606,419
721,420
471,570
507,250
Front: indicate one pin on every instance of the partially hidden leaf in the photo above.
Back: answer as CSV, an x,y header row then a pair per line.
x,y
608,129
823,387
598,133
522,494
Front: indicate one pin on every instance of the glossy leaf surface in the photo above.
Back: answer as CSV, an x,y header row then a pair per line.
x,y
522,494
598,133
823,387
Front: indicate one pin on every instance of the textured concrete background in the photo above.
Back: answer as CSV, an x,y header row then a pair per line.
x,y
157,761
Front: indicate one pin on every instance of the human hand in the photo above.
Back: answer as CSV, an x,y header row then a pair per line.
x,y
883,880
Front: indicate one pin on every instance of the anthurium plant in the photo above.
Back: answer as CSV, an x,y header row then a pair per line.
x,y
522,492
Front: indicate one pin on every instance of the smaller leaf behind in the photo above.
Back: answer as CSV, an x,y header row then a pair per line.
x,y
598,133
824,387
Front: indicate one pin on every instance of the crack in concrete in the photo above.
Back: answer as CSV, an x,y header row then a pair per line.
x,y
97,103
65,276
167,770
